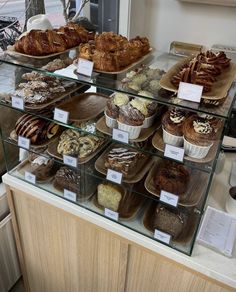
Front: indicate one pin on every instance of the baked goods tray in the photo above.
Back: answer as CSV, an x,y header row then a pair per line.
x,y
137,173
187,232
219,89
144,135
55,98
52,151
158,143
85,106
196,186
125,69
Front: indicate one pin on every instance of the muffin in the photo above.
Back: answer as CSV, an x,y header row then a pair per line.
x,y
216,123
68,179
199,136
172,126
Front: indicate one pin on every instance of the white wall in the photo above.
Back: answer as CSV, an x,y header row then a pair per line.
x,y
168,20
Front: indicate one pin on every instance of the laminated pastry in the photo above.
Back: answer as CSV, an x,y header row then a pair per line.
x,y
122,159
173,121
41,167
109,195
130,115
35,129
57,64
114,103
199,131
68,179
172,177
169,221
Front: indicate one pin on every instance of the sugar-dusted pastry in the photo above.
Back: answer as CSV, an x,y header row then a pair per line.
x,y
109,195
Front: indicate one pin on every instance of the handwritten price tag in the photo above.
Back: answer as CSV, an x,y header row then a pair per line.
x,y
191,92
114,176
70,195
169,198
61,116
30,177
120,136
17,102
85,67
70,161
162,236
111,214
174,152
23,142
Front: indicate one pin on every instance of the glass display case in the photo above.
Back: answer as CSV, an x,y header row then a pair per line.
x,y
126,149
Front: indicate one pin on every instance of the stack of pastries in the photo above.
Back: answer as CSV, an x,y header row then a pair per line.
x,y
202,70
50,41
111,52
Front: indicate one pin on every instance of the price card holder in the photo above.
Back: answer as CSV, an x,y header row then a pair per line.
x,y
174,152
70,161
70,195
85,67
114,176
61,116
169,198
30,177
18,102
120,136
23,142
191,92
162,236
111,214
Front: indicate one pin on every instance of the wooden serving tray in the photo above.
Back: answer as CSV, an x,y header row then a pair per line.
x,y
219,89
158,143
194,193
137,173
187,232
144,135
52,150
85,106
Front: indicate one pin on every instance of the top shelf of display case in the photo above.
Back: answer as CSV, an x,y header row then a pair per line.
x,y
139,80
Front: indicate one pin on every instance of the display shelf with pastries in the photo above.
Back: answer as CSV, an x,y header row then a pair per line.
x,y
109,154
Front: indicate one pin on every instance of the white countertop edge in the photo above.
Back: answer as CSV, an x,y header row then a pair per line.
x,y
193,262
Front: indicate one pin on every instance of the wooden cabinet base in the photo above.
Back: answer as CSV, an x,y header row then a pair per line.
x,y
60,252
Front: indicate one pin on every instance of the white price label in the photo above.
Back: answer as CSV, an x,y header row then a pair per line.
x,y
174,152
69,160
169,198
111,214
17,102
30,177
85,67
23,142
114,176
191,92
120,136
61,116
70,195
162,236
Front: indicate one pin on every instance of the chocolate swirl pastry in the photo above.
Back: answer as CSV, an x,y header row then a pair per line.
x,y
35,129
130,116
173,121
67,178
122,159
169,221
172,177
199,131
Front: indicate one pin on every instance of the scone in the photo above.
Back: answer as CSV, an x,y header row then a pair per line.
x,y
109,195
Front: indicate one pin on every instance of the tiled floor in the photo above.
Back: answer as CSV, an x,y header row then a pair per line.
x,y
19,287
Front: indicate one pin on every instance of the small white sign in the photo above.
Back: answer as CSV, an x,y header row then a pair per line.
x,y
85,67
30,177
111,214
191,92
61,116
162,236
70,195
23,142
120,136
114,176
69,160
169,198
18,102
174,152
